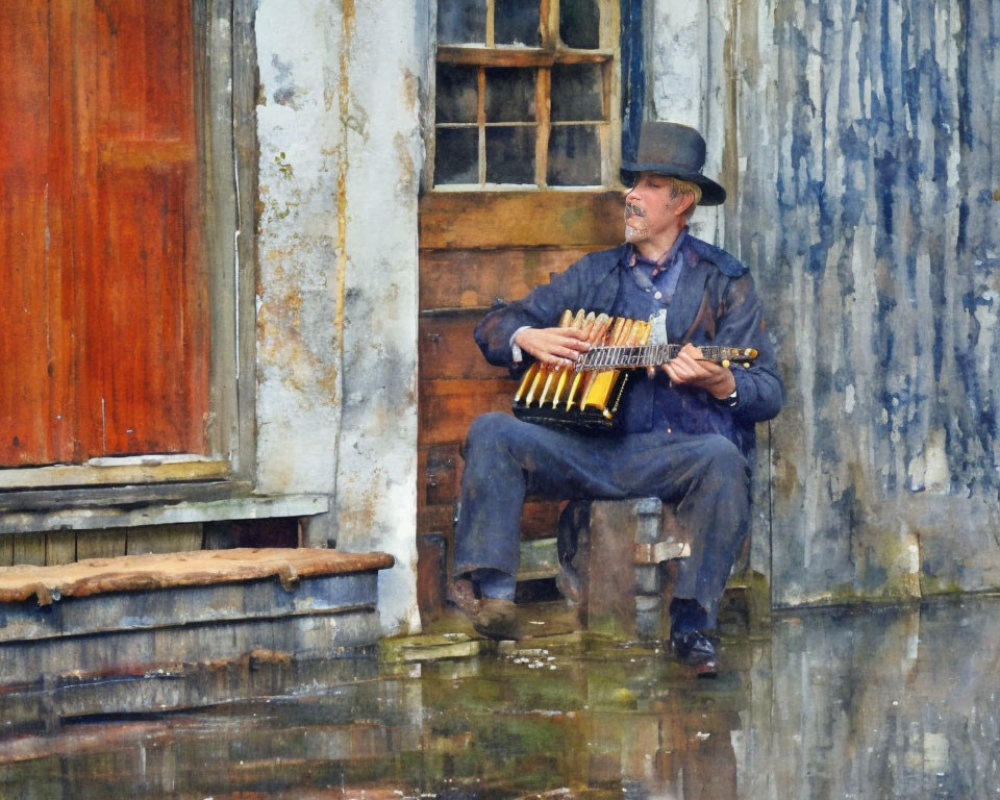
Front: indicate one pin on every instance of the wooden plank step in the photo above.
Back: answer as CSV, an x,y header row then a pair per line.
x,y
169,570
153,611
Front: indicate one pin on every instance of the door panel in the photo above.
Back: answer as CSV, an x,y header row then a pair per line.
x,y
26,287
109,351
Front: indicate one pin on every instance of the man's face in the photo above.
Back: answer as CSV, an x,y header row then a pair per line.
x,y
651,210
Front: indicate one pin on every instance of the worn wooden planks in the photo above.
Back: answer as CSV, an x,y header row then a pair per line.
x,y
153,611
473,279
317,633
172,570
477,249
520,219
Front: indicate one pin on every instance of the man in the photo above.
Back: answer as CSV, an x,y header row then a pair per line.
x,y
687,430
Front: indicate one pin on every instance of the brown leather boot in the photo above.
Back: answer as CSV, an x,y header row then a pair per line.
x,y
497,619
462,593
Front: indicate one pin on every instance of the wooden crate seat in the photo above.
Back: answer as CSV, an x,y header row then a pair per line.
x,y
622,561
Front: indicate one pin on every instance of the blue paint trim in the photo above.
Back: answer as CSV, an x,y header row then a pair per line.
x,y
633,76
965,115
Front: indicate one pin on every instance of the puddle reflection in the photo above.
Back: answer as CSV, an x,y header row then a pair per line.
x,y
880,703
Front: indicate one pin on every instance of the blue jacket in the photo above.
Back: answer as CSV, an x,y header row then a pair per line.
x,y
714,303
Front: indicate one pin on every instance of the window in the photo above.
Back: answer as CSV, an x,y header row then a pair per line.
x,y
526,94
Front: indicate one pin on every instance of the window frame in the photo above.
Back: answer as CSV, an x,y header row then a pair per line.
x,y
541,59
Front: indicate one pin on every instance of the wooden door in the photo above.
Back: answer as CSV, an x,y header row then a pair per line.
x,y
474,249
104,340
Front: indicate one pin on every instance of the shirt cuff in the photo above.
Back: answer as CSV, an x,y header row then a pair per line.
x,y
729,401
515,351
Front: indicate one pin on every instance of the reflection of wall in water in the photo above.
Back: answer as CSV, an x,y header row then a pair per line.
x,y
880,703
886,703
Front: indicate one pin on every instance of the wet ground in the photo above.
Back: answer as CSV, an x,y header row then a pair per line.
x,y
880,702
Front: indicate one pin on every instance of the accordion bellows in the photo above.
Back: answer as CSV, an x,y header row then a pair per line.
x,y
580,399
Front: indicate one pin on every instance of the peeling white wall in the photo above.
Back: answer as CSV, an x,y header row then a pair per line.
x,y
676,62
340,155
298,366
682,51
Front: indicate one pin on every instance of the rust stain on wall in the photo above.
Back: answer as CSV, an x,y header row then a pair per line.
x,y
343,100
406,184
283,331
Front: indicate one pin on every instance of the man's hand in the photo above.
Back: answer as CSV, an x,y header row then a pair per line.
x,y
557,346
690,369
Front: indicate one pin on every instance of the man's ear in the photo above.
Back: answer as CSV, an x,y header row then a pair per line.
x,y
684,206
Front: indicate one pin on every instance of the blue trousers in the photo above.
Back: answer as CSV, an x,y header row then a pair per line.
x,y
706,476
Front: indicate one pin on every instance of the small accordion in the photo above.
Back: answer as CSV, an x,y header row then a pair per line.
x,y
587,396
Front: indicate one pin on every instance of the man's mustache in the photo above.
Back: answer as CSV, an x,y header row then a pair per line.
x,y
631,210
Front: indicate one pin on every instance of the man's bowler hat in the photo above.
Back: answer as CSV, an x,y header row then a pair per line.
x,y
678,151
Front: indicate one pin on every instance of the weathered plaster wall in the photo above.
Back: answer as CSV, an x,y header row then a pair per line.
x,y
340,155
862,145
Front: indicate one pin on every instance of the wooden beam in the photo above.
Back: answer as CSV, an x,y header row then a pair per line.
x,y
107,517
518,56
469,281
107,471
489,220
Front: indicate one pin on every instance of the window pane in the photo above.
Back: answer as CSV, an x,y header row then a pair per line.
x,y
516,22
577,93
461,22
574,156
456,156
579,23
510,95
510,155
456,99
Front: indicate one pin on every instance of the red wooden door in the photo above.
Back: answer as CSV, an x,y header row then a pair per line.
x,y
104,339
